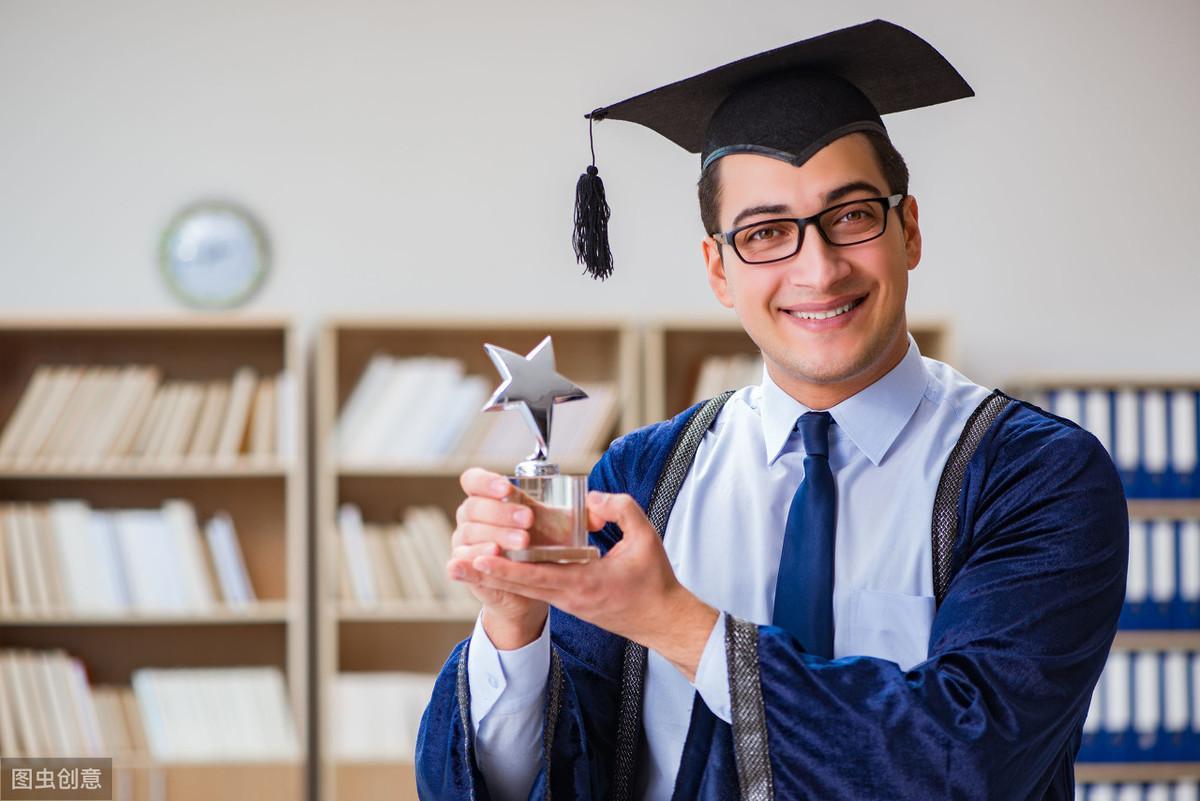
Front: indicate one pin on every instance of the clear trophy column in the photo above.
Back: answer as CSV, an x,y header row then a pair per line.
x,y
533,387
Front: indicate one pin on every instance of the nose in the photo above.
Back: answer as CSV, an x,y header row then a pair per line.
x,y
818,265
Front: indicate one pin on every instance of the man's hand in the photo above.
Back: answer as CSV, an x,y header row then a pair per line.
x,y
632,591
486,525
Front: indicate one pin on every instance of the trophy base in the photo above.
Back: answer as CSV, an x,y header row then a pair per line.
x,y
559,555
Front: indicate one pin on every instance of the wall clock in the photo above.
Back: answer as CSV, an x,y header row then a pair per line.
x,y
213,255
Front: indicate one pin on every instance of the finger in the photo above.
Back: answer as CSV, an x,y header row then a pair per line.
x,y
594,521
532,593
475,533
478,509
530,575
460,567
622,510
477,481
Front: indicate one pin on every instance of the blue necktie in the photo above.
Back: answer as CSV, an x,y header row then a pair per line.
x,y
804,591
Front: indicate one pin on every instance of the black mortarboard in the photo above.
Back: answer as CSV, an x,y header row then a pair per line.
x,y
786,103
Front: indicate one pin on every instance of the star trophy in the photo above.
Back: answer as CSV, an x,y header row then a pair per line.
x,y
532,387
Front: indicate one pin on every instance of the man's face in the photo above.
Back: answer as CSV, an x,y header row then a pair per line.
x,y
855,347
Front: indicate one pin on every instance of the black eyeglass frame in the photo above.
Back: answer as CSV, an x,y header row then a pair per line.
x,y
890,202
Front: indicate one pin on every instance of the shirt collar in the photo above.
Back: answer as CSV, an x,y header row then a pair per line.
x,y
872,419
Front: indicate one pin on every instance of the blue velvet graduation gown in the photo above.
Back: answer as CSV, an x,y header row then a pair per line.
x,y
995,712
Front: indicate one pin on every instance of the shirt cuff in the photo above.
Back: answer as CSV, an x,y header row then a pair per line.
x,y
712,674
505,681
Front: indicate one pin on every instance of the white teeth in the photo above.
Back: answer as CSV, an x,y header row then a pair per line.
x,y
825,315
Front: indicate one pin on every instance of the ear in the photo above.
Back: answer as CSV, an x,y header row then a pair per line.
x,y
715,265
912,232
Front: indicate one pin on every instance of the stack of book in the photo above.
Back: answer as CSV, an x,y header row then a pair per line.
x,y
1156,791
719,373
47,708
1163,585
236,714
1144,708
1151,433
376,715
104,417
120,722
66,558
398,562
425,410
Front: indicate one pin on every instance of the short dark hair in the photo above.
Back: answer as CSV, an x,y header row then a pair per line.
x,y
891,163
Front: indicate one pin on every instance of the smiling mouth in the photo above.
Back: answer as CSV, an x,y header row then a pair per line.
x,y
825,315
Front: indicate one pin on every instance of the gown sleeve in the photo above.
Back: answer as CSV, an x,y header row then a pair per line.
x,y
579,707
1015,649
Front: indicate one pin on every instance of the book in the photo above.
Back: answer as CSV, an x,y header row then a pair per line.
x,y
383,572
188,555
70,528
264,416
144,389
228,562
64,557
350,527
237,415
28,407
216,714
377,714
39,582
157,436
46,708
181,423
63,382
360,406
203,444
287,417
21,601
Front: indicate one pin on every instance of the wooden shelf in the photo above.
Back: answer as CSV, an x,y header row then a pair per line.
x,y
144,778
1036,381
418,636
264,612
144,472
100,324
266,498
1174,508
1158,640
374,780
407,612
1133,772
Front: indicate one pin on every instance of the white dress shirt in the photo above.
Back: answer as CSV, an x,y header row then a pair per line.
x,y
887,448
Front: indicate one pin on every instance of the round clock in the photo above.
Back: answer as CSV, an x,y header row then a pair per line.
x,y
213,255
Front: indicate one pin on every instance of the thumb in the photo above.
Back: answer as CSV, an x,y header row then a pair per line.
x,y
620,509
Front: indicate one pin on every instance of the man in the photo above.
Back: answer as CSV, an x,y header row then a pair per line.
x,y
875,579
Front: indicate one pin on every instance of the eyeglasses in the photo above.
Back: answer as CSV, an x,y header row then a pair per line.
x,y
850,223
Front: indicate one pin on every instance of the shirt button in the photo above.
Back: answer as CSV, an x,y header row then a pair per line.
x,y
493,682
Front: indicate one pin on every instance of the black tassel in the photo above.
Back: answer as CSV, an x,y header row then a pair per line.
x,y
591,225
591,216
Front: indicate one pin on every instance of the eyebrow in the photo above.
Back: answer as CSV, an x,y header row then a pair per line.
x,y
829,198
834,195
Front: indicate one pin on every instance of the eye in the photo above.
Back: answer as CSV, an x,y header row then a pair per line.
x,y
855,217
765,233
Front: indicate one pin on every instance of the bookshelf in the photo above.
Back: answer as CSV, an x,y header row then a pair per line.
x,y
356,639
263,492
675,351
1149,424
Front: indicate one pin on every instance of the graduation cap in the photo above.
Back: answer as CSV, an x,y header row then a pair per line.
x,y
786,103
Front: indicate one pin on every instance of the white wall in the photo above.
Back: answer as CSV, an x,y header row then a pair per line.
x,y
410,156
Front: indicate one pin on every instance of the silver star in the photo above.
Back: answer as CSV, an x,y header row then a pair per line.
x,y
531,386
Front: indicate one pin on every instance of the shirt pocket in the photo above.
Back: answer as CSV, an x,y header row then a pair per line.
x,y
891,626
